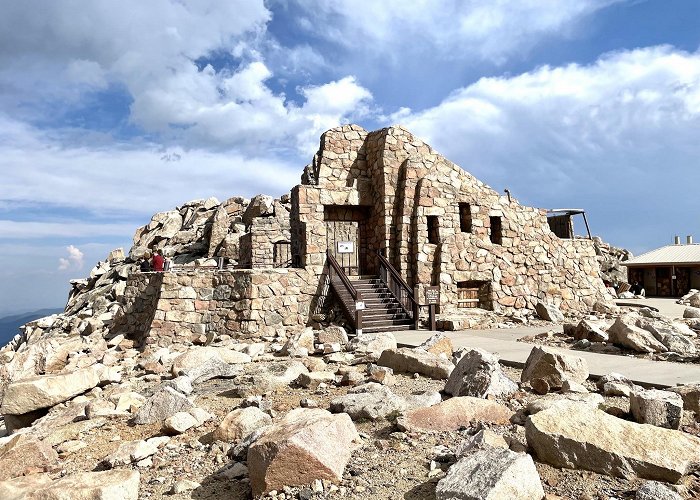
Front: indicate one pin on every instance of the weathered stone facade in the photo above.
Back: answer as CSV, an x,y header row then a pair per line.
x,y
176,307
384,191
404,188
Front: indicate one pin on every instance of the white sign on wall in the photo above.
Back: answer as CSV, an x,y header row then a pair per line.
x,y
346,246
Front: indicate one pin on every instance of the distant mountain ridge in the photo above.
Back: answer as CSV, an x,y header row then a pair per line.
x,y
9,325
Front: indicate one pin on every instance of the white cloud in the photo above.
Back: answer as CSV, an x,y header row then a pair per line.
x,y
455,29
73,261
151,49
620,134
125,180
11,229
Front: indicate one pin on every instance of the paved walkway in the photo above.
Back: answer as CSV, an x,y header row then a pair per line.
x,y
503,343
667,307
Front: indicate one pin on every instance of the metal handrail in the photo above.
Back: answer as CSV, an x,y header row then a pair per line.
x,y
335,269
398,288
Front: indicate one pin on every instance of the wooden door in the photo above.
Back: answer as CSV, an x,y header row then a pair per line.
x,y
682,281
663,281
343,240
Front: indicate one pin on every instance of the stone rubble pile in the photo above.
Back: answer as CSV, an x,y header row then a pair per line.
x,y
266,450
277,410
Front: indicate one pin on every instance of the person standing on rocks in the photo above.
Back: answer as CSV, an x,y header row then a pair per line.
x,y
157,261
145,265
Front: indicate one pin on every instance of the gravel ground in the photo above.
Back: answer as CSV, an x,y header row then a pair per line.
x,y
386,465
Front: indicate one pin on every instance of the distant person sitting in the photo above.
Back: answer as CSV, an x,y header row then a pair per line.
x,y
157,261
145,266
638,290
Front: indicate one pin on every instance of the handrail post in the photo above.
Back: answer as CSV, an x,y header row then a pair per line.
x,y
416,308
358,313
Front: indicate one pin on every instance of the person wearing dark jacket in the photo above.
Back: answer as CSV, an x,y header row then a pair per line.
x,y
145,266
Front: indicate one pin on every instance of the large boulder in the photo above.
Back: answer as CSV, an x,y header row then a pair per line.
x,y
691,312
305,445
673,336
661,408
135,451
623,332
549,312
333,334
374,401
268,378
576,437
45,391
453,414
406,359
261,205
163,404
438,343
300,344
240,423
478,374
592,400
587,330
691,396
553,367
204,363
371,345
105,485
653,490
492,474
219,229
615,384
24,454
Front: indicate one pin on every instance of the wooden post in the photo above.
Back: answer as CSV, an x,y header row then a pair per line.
x,y
432,318
416,308
358,313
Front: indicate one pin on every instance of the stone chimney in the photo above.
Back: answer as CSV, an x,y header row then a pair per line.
x,y
689,239
677,240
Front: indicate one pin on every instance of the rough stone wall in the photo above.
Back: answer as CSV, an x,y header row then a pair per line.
x,y
403,181
175,307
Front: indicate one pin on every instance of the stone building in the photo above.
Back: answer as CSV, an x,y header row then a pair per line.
x,y
389,192
388,213
669,271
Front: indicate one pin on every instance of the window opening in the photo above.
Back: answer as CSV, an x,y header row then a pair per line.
x,y
433,230
465,218
496,232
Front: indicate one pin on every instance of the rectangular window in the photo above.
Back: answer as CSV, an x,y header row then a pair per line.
x,y
496,233
465,218
433,230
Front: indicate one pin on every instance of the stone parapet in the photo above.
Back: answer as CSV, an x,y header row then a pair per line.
x,y
173,307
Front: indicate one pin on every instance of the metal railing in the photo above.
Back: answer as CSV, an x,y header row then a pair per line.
x,y
349,296
398,288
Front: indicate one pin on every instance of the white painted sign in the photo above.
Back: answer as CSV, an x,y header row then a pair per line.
x,y
359,305
346,246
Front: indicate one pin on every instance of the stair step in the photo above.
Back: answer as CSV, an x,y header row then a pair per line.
x,y
393,328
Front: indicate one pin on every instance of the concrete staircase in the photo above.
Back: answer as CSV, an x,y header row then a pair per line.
x,y
382,313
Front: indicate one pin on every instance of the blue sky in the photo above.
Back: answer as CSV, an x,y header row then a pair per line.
x,y
112,111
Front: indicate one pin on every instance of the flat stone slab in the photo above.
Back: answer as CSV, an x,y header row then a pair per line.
x,y
374,401
405,359
576,437
106,485
45,391
454,413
